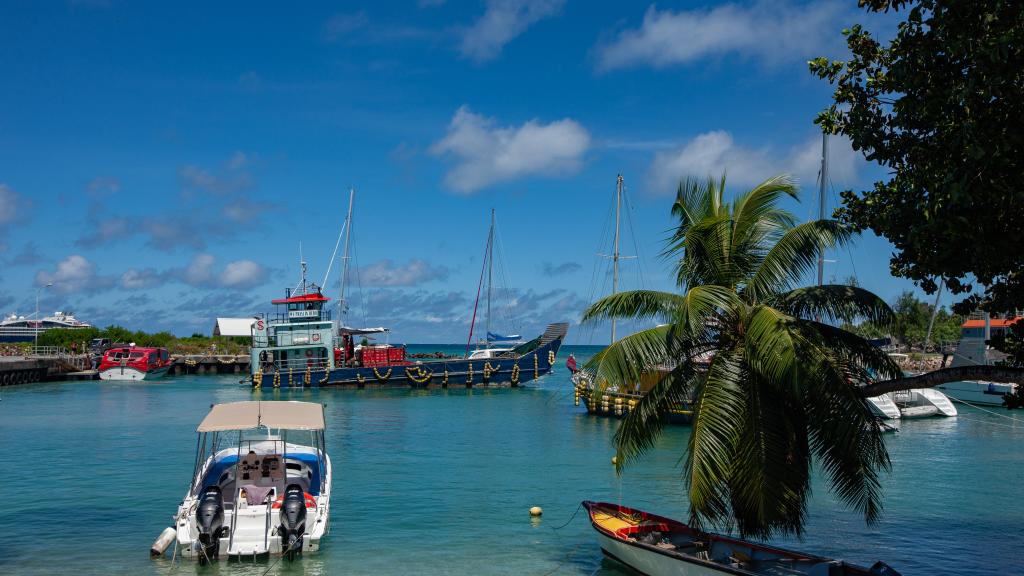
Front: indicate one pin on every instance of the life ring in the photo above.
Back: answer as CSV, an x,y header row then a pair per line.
x,y
310,501
316,337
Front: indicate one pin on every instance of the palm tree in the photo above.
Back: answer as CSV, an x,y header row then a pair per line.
x,y
773,385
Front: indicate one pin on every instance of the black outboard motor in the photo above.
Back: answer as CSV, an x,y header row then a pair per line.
x,y
210,521
293,520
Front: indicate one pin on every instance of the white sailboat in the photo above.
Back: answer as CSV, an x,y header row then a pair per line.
x,y
493,345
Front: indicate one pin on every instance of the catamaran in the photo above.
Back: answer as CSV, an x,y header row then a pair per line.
x,y
261,484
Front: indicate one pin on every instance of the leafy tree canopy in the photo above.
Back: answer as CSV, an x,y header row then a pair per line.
x,y
941,107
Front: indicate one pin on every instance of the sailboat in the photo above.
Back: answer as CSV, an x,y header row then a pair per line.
x,y
604,400
494,344
302,346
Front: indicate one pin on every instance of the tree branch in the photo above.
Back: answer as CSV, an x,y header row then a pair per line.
x,y
945,375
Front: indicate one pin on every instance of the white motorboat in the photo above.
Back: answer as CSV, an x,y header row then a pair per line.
x,y
973,350
261,484
659,546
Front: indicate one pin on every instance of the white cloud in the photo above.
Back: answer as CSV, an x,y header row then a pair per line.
x,y
200,271
486,153
501,22
134,279
715,152
242,274
74,274
386,273
10,202
770,31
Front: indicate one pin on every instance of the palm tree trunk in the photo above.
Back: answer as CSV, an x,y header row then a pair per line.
x,y
945,375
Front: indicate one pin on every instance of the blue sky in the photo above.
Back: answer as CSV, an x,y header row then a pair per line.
x,y
160,164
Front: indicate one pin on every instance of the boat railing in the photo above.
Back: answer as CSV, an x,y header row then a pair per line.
x,y
299,365
286,318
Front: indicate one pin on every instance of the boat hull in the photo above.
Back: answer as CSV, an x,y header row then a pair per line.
x,y
650,562
129,374
976,392
427,374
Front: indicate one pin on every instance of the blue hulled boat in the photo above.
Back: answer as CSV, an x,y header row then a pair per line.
x,y
298,346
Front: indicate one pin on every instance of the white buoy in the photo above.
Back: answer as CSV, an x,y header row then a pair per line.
x,y
615,459
161,544
536,511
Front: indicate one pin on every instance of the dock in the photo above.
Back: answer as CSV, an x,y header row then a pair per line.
x,y
52,364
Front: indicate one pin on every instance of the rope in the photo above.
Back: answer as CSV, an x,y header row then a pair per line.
x,y
985,410
574,548
989,423
283,554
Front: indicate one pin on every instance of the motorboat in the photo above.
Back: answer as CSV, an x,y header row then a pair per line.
x,y
134,363
261,484
659,546
973,349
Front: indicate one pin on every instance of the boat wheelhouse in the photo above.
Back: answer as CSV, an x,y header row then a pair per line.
x,y
134,363
261,484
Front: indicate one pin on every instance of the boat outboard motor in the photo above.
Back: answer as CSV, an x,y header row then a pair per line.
x,y
210,521
293,520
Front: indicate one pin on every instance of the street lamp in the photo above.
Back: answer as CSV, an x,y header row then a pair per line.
x,y
38,290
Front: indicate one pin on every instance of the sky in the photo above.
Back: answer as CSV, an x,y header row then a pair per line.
x,y
165,164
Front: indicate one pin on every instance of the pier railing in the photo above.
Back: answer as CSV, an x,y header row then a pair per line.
x,y
78,360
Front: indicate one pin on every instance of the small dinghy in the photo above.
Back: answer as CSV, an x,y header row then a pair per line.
x,y
659,546
261,484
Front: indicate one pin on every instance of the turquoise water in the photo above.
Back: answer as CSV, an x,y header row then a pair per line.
x,y
440,482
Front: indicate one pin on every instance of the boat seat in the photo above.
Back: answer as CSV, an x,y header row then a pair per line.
x,y
255,495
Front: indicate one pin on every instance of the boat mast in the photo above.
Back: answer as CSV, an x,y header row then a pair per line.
x,y
615,248
490,270
821,202
344,260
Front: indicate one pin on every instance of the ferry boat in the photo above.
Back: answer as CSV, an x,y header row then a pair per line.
x,y
298,346
134,363
659,546
16,328
261,484
972,350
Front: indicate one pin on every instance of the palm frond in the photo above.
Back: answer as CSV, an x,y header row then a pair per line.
x,y
795,254
770,350
640,304
712,446
834,303
642,426
624,361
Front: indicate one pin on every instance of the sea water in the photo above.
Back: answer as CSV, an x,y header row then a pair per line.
x,y
441,482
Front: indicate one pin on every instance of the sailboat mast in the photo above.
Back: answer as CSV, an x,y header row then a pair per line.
x,y
821,202
615,248
490,270
345,258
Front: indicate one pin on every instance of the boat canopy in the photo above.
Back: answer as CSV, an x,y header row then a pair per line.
x,y
270,414
310,297
377,330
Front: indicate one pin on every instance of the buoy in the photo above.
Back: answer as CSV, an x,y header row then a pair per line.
x,y
615,459
536,511
162,542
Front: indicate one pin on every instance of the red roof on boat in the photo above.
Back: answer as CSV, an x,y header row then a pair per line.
x,y
313,297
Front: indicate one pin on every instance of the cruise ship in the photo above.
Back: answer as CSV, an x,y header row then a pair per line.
x,y
16,328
